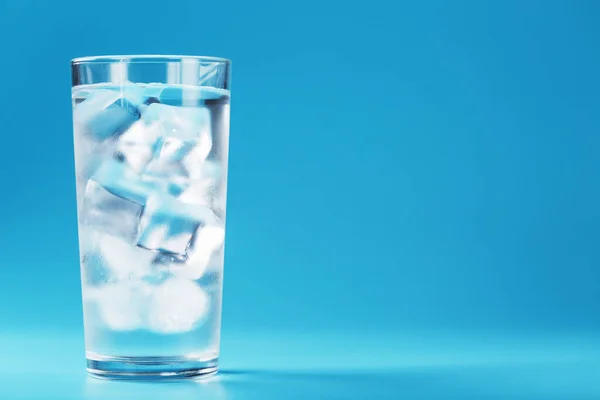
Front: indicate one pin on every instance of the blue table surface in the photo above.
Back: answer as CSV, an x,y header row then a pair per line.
x,y
329,365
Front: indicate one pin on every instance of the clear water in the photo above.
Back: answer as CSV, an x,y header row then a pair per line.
x,y
151,166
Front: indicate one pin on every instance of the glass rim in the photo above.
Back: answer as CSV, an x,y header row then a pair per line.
x,y
146,58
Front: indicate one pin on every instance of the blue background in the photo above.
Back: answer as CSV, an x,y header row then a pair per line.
x,y
413,196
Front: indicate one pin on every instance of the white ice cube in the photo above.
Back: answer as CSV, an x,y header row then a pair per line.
x,y
177,305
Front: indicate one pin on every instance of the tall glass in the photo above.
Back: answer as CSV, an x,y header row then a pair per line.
x,y
151,140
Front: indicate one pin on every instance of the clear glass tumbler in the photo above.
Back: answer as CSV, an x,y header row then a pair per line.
x,y
151,140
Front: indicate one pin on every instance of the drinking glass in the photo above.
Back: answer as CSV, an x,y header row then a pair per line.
x,y
151,137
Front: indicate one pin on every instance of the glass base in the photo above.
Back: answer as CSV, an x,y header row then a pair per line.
x,y
150,368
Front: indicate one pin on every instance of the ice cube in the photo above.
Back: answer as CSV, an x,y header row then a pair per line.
x,y
169,226
123,305
176,306
142,147
107,113
183,143
165,143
